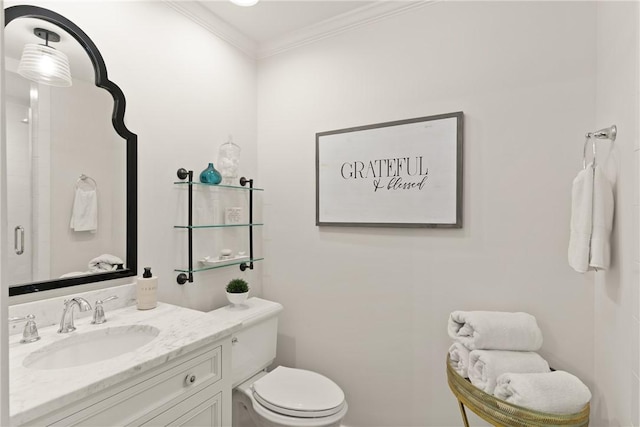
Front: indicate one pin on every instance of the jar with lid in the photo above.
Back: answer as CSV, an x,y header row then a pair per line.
x,y
228,161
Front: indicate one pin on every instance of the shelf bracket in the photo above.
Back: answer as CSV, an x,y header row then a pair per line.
x,y
244,181
182,277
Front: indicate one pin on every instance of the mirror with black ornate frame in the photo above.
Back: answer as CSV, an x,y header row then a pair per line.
x,y
129,267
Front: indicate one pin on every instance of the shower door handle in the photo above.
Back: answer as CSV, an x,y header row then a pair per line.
x,y
18,230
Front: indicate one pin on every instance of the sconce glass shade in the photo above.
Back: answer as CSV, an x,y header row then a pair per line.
x,y
44,64
245,3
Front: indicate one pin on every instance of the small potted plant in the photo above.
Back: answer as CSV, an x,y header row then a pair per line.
x,y
237,291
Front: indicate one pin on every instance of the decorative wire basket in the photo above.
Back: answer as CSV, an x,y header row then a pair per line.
x,y
500,413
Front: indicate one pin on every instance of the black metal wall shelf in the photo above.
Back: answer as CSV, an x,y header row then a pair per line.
x,y
186,275
242,187
226,264
217,226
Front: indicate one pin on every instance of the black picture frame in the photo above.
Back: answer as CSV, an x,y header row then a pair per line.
x,y
381,191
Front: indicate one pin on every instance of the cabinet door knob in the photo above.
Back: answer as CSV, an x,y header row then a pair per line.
x,y
190,379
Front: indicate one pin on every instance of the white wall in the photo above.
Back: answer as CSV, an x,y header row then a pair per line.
x,y
616,401
186,90
368,307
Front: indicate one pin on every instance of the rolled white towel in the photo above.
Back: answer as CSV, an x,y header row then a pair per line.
x,y
459,357
74,274
495,330
556,392
104,262
485,366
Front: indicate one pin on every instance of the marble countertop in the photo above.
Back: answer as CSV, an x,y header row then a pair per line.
x,y
35,392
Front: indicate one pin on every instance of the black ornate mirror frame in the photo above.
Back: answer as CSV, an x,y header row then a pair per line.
x,y
119,104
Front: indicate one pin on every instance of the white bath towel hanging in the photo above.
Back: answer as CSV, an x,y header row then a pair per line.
x,y
84,216
602,222
591,220
581,219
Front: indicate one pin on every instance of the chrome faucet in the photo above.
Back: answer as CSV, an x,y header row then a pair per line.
x,y
66,323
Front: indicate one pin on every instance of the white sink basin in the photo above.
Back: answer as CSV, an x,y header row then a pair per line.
x,y
91,347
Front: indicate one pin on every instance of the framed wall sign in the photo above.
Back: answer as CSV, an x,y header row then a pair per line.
x,y
406,173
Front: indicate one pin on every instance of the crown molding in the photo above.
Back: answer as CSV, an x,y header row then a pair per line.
x,y
211,22
344,22
328,28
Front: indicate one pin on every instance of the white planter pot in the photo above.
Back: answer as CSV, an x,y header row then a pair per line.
x,y
237,298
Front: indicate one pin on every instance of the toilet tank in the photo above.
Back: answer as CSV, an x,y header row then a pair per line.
x,y
254,344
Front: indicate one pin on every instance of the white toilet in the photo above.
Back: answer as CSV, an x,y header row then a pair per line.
x,y
284,396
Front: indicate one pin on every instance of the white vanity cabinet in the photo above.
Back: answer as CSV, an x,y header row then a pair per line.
x,y
193,389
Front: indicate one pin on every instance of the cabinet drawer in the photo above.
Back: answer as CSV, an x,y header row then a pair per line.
x,y
132,403
200,410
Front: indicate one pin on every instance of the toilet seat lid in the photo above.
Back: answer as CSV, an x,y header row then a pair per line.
x,y
298,393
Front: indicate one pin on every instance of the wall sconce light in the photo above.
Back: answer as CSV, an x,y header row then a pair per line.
x,y
44,64
245,3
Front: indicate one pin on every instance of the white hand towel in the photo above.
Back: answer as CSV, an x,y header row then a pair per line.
x,y
556,392
459,357
495,330
84,216
485,366
581,220
602,221
104,262
591,220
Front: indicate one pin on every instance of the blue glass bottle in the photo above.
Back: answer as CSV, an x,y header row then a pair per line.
x,y
210,175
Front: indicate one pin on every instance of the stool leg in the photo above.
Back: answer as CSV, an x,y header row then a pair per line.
x,y
464,414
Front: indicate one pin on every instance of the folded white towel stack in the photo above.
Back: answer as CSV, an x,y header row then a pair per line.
x,y
591,220
485,366
459,357
484,330
556,392
104,262
84,216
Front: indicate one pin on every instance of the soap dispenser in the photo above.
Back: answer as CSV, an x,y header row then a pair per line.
x,y
146,290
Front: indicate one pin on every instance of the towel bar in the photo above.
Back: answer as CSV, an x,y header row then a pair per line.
x,y
84,178
500,413
609,133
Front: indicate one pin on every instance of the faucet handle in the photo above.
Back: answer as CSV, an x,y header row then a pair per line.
x,y
112,297
30,333
98,313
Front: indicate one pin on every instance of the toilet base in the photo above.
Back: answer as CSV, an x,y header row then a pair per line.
x,y
242,416
245,413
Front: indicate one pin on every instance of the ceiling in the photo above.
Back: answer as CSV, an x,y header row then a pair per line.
x,y
274,26
273,19
261,30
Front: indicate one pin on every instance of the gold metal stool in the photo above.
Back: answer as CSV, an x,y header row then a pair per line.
x,y
500,413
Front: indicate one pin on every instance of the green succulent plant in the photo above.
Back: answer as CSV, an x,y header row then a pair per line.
x,y
237,286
